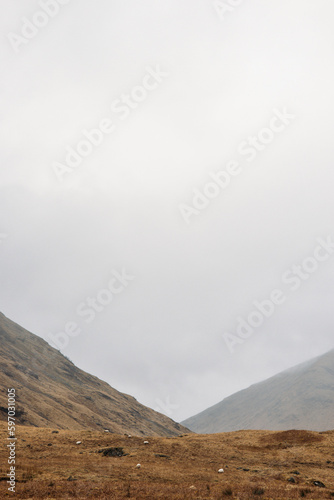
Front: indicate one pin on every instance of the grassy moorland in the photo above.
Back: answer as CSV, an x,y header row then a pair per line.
x,y
257,465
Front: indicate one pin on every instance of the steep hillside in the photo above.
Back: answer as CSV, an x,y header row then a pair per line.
x,y
299,398
52,392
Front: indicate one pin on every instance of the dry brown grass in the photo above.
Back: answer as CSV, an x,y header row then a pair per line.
x,y
51,465
52,392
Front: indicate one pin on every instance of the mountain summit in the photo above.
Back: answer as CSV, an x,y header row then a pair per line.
x,y
52,392
301,397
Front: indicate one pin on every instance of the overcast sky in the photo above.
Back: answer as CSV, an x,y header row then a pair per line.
x,y
186,90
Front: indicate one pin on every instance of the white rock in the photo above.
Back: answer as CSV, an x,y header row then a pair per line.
x,y
221,470
78,442
106,430
146,442
138,466
129,436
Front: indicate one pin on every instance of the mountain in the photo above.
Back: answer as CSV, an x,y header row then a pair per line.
x,y
301,397
52,392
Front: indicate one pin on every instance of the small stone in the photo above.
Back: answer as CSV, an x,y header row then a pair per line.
x,y
146,442
291,480
138,466
319,483
220,471
78,442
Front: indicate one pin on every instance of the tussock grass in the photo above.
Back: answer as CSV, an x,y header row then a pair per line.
x,y
257,465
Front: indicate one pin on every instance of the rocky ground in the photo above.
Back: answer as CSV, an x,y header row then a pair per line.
x,y
257,465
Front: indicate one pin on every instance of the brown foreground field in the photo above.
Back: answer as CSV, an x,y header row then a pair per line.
x,y
257,465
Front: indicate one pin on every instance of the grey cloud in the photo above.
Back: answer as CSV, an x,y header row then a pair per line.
x,y
162,338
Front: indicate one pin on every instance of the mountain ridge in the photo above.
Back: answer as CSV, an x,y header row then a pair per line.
x,y
301,397
52,392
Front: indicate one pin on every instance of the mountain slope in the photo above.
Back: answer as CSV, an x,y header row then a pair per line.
x,y
299,398
52,392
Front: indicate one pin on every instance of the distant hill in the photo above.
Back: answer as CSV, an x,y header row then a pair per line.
x,y
53,392
298,398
